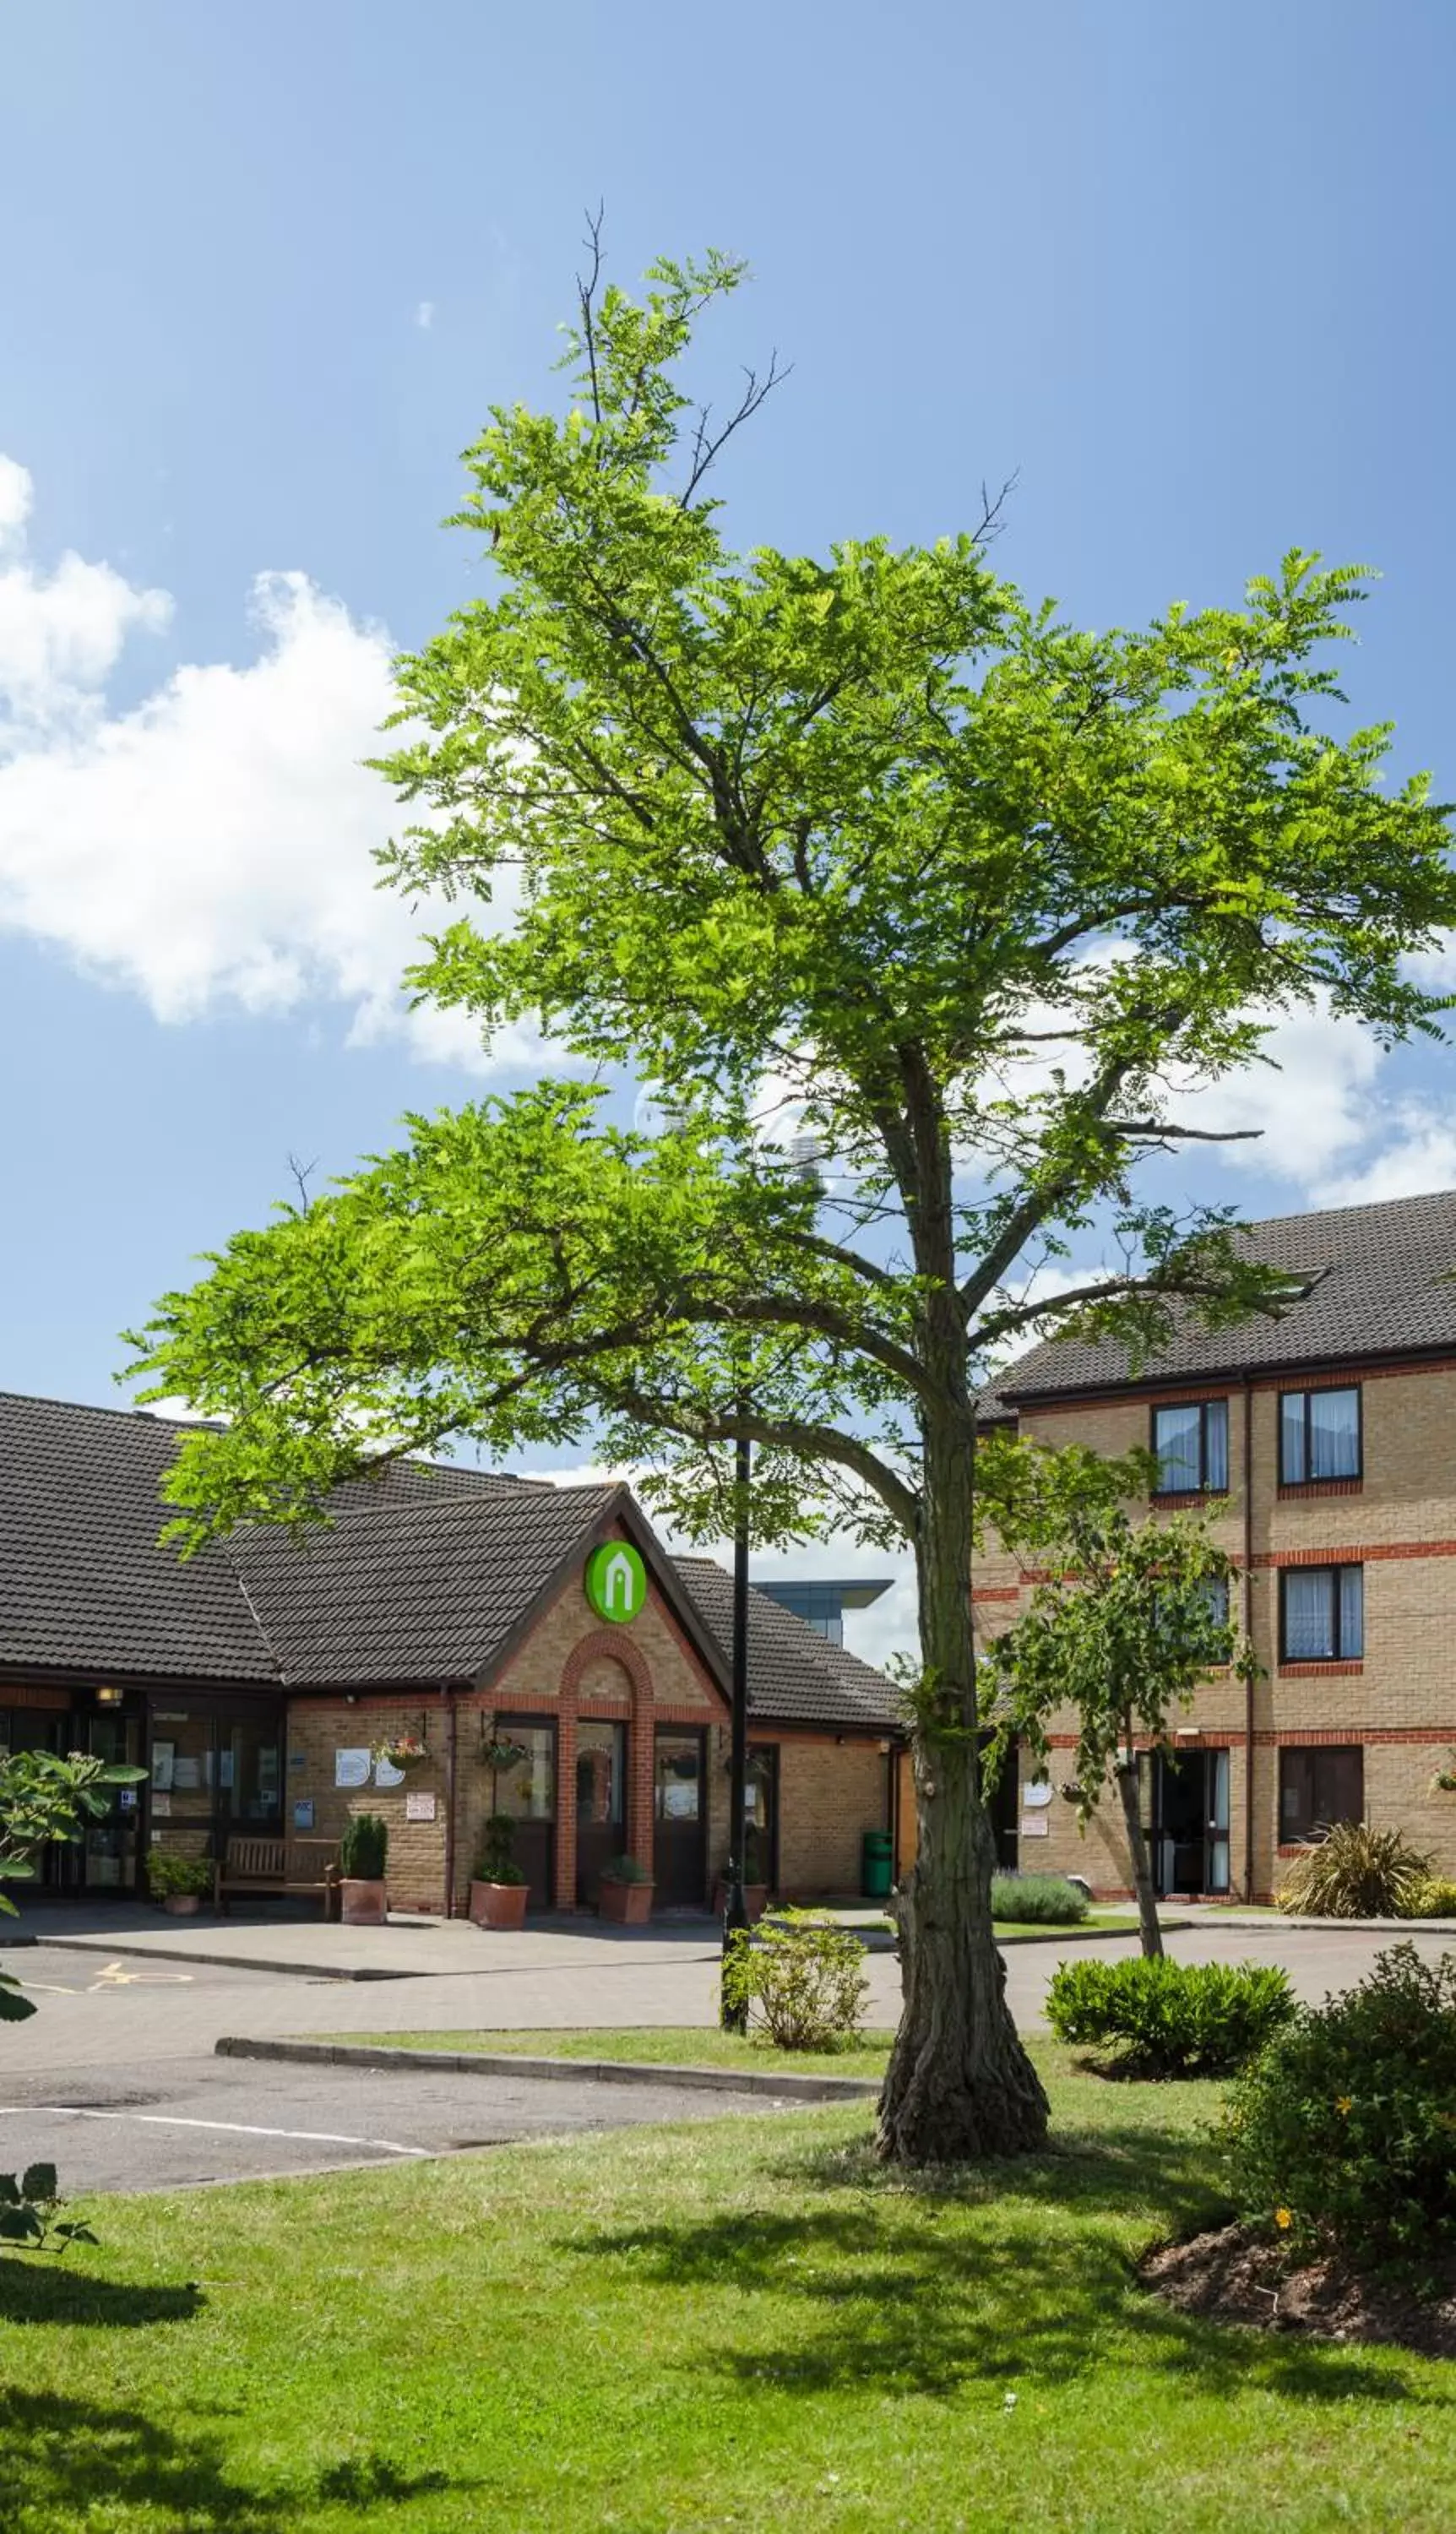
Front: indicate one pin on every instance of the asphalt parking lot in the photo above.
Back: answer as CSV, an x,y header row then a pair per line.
x,y
157,2121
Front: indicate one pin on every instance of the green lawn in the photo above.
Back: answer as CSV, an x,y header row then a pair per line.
x,y
676,2045
742,2325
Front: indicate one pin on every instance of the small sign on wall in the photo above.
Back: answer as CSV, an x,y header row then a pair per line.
x,y
303,1812
419,1808
1035,1826
352,1767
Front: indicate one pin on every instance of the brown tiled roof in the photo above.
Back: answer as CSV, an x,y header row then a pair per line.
x,y
1378,1283
425,1576
795,1675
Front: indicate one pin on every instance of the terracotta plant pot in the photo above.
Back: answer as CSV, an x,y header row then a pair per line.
x,y
364,1903
182,1904
629,1903
497,1904
754,1899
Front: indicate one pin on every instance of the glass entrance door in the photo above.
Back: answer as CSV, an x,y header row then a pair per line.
x,y
528,1792
109,1846
601,1809
1190,1822
679,1818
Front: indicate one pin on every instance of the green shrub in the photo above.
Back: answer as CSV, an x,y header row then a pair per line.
x,y
626,1869
497,1861
169,1874
29,2202
1166,2018
364,1848
1038,1900
801,1979
1343,2134
1433,1900
1353,1872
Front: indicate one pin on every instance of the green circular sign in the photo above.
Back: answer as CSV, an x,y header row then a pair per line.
x,y
616,1580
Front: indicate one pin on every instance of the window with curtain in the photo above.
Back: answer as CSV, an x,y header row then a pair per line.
x,y
1191,1442
1318,1787
1319,1436
1321,1613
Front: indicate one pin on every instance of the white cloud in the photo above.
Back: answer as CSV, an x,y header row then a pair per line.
x,y
208,848
1419,1158
424,315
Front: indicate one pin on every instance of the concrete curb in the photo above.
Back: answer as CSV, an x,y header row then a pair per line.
x,y
8,1939
220,1961
604,2072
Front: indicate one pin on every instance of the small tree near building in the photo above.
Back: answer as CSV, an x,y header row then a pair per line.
x,y
1132,1620
861,847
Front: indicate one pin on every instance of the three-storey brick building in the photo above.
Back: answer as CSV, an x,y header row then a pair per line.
x,y
1322,1445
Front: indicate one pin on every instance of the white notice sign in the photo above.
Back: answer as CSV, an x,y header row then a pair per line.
x,y
1035,1826
419,1807
352,1767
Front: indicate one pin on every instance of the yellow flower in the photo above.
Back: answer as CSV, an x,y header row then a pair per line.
x,y
1283,2218
1342,2102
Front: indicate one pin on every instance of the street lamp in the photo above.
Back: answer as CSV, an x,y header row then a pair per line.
x,y
733,2016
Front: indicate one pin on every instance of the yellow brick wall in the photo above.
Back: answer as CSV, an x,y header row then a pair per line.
x,y
1404,1684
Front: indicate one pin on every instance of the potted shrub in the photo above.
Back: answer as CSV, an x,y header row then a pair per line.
x,y
498,1889
627,1890
178,1882
754,1877
362,1853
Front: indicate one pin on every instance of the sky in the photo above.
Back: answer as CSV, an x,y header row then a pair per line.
x,y
1185,273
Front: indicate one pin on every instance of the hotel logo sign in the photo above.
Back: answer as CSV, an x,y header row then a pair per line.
x,y
616,1580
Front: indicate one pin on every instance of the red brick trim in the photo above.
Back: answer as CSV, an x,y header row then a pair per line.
x,y
52,1699
996,1592
1435,1737
1317,1670
1366,1554
1290,1491
611,1644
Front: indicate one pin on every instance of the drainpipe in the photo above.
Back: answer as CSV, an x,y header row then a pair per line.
x,y
1249,1635
450,1797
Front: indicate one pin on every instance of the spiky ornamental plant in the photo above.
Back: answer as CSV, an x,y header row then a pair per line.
x,y
966,884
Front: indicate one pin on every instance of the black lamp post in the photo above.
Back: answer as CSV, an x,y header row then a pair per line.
x,y
734,2017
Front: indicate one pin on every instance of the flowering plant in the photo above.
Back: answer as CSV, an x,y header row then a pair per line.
x,y
401,1751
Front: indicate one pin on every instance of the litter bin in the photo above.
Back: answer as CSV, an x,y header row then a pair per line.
x,y
876,1865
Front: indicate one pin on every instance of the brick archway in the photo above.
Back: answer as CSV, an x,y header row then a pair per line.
x,y
611,1644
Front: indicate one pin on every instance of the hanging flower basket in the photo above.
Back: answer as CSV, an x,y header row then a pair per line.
x,y
1445,1780
401,1751
502,1754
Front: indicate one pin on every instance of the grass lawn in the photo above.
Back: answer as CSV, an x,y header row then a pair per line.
x,y
676,2045
741,2324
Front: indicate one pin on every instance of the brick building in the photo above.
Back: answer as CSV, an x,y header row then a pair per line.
x,y
1323,1444
255,1684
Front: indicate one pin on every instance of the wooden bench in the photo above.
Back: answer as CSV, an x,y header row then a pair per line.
x,y
265,1866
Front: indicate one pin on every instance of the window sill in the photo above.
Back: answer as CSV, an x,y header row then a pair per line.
x,y
1182,1497
1291,1490
1321,1667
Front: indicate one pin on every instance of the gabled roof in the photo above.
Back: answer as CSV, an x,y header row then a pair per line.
x,y
432,1588
795,1675
1378,1282
429,1573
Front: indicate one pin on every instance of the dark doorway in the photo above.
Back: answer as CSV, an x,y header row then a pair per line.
x,y
1004,1803
679,1818
1190,1823
527,1790
761,1816
601,1786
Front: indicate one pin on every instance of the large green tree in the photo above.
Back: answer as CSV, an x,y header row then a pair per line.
x,y
862,848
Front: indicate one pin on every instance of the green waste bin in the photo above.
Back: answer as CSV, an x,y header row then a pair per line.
x,y
876,1865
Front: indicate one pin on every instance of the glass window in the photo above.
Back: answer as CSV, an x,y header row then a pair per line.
x,y
1321,1613
1318,1787
528,1789
1319,1435
1215,1590
1191,1442
247,1760
678,1776
183,1764
600,1750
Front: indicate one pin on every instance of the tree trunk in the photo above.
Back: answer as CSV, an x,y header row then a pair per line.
x,y
959,2083
1142,1869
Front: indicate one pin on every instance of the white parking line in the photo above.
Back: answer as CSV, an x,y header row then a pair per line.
x,y
180,2120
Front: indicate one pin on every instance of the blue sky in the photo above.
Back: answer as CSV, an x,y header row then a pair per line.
x,y
1188,271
